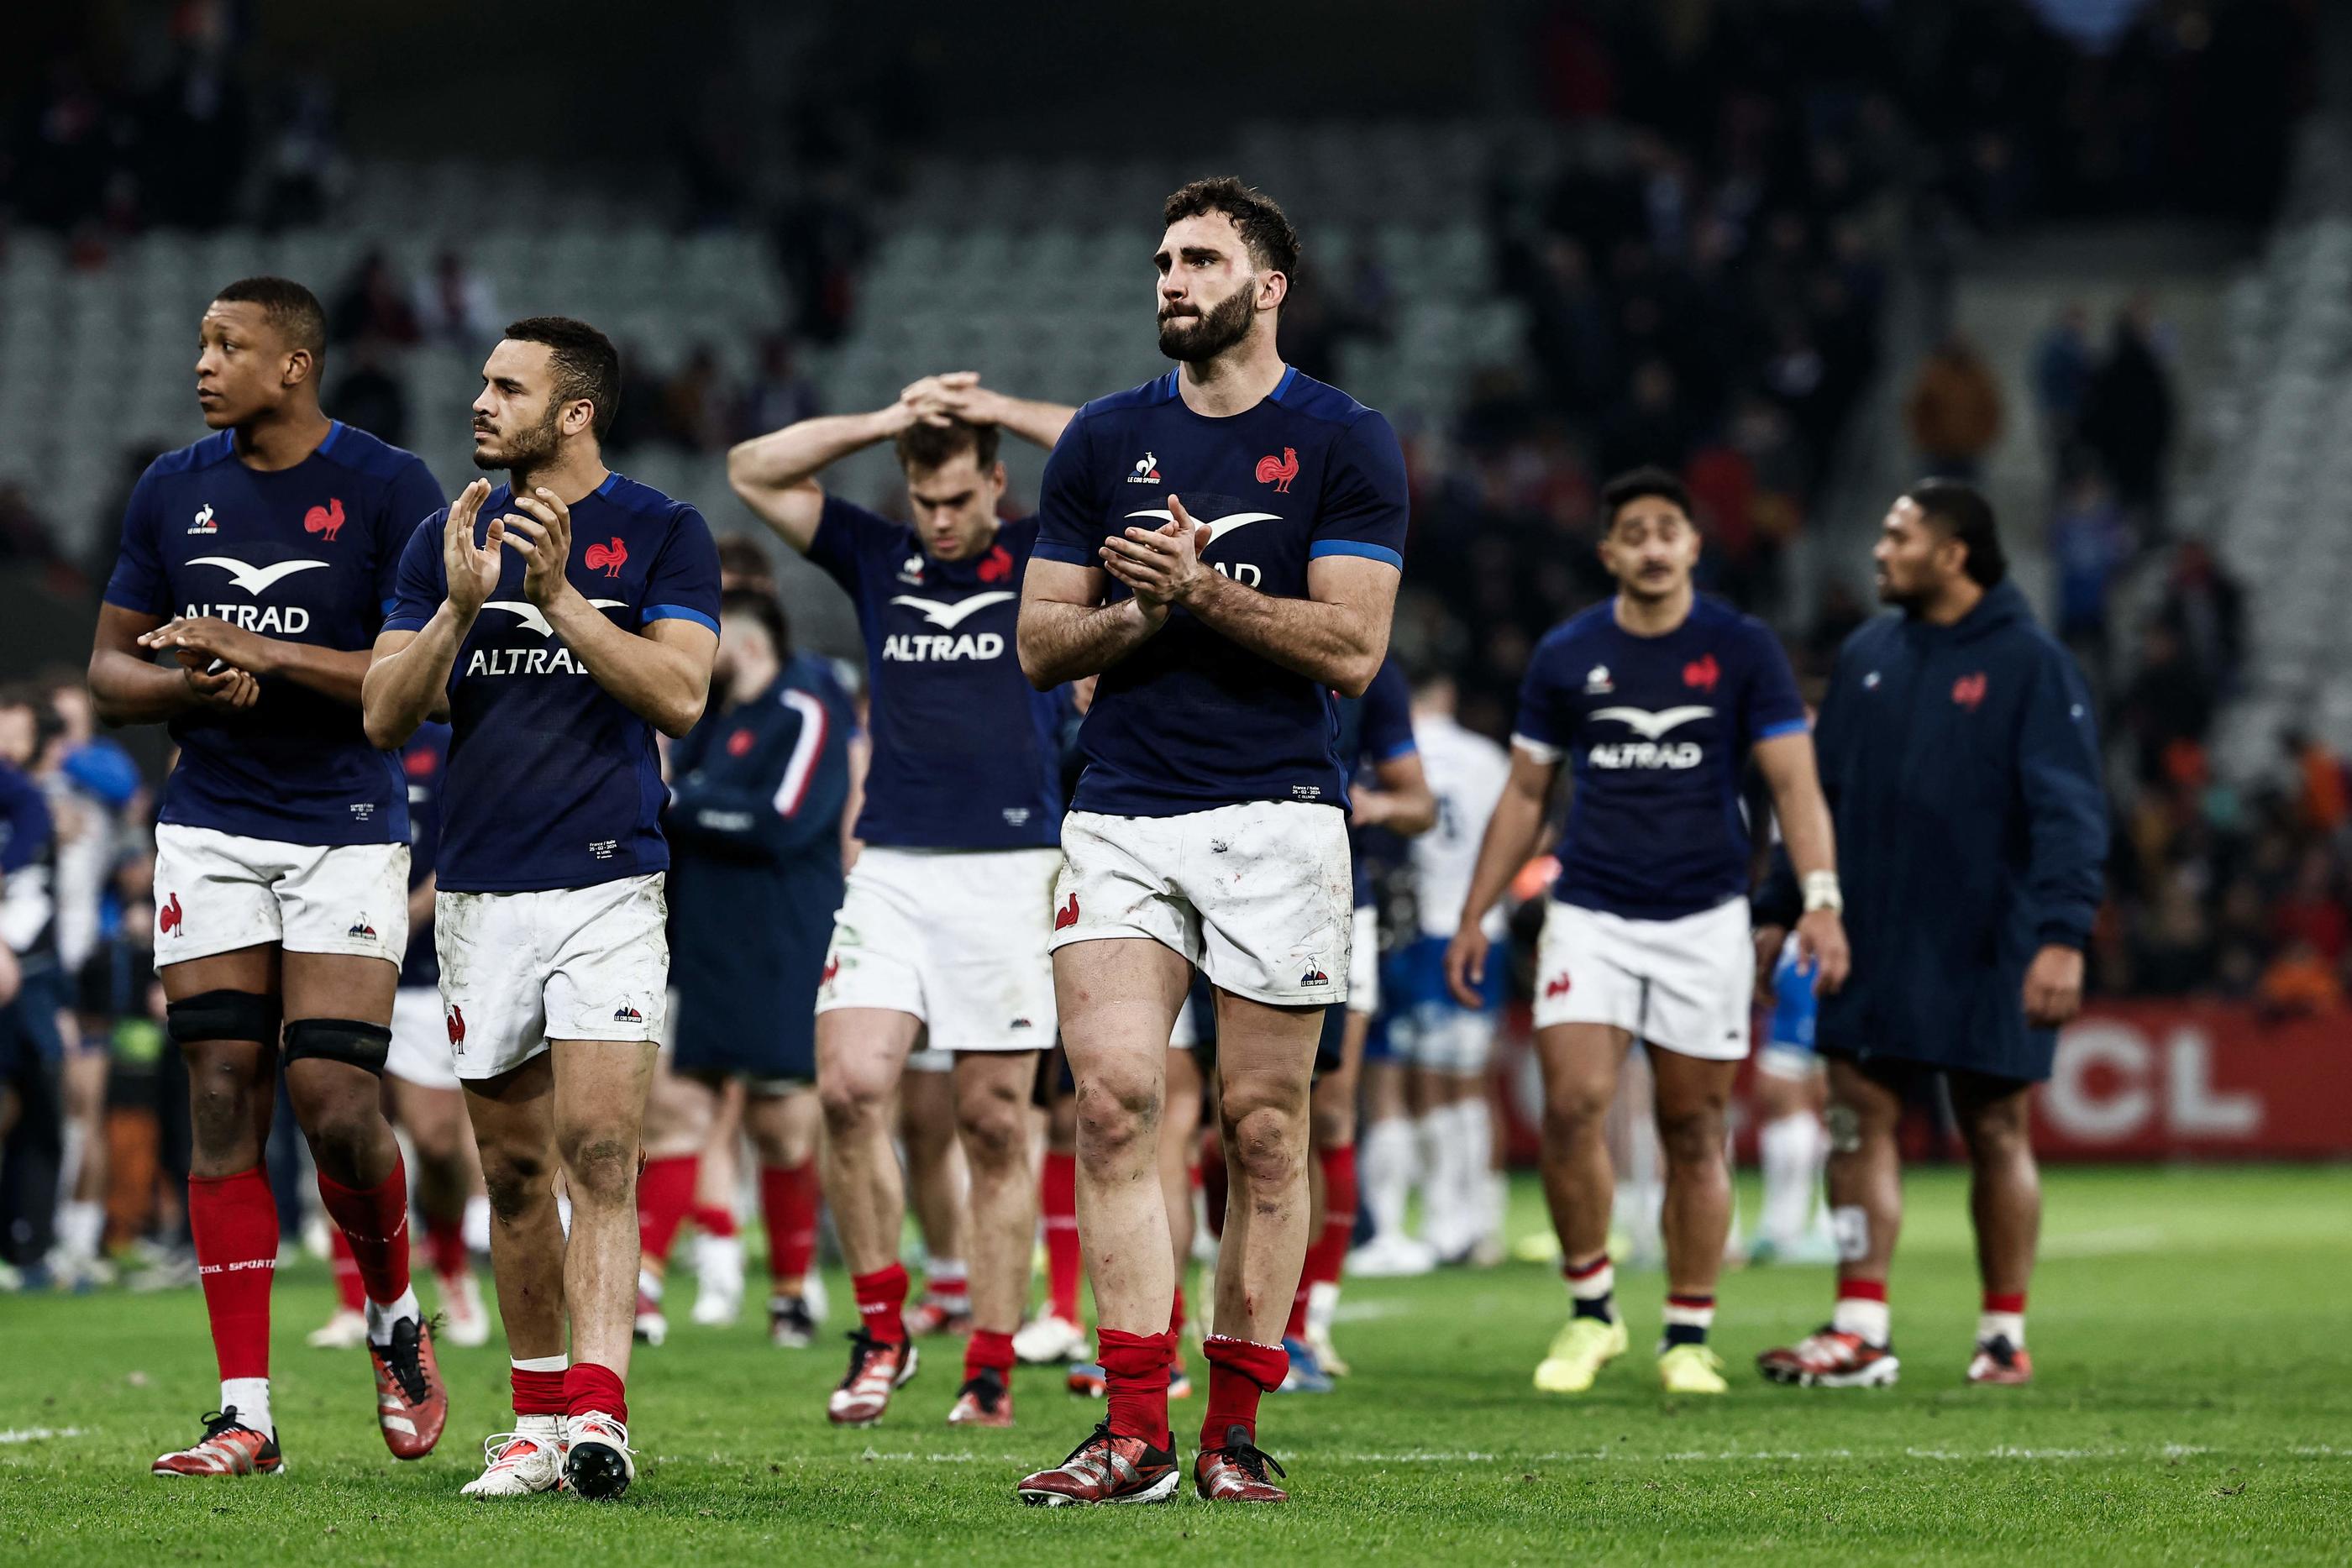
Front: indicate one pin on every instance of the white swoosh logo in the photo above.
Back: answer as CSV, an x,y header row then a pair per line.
x,y
1218,526
529,615
1650,725
947,617
255,580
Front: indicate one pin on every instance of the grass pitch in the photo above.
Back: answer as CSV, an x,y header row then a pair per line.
x,y
2194,1406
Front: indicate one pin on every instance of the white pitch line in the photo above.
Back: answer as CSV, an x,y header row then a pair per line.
x,y
2105,1243
38,1434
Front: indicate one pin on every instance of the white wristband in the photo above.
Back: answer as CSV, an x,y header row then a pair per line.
x,y
1822,892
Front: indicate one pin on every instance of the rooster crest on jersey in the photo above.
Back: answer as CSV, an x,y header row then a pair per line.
x,y
1146,471
204,523
456,1026
608,559
1280,471
167,917
327,520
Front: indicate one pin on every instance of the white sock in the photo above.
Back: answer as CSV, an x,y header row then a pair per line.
x,y
1433,1133
380,1317
1323,1305
950,1270
250,1397
1476,1133
80,1226
649,1285
478,1224
1498,1201
1866,1319
1990,1325
1791,1148
1385,1153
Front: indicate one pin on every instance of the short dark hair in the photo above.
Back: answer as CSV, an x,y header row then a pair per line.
x,y
293,311
1264,228
925,445
586,364
1636,483
763,606
1960,512
742,560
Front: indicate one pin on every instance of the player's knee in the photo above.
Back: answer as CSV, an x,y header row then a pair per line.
x,y
1574,1112
1846,1125
991,1129
850,1102
600,1165
340,1134
1118,1114
515,1180
1263,1148
1692,1139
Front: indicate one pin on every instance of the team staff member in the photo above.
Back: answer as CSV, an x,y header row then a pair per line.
x,y
1961,765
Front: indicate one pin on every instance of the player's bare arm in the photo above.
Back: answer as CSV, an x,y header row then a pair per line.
x,y
127,687
1337,635
336,672
775,475
1788,766
408,672
1512,835
1397,797
1065,631
662,675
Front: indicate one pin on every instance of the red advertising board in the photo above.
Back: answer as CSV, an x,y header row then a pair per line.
x,y
2134,1081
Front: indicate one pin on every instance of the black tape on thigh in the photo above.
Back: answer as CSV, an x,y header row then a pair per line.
x,y
338,1040
222,1015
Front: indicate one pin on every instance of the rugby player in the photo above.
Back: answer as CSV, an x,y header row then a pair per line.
x,y
943,927
561,619
1658,699
261,558
1222,546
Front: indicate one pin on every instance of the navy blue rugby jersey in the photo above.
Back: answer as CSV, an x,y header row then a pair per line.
x,y
1191,720
754,823
1656,731
966,753
551,781
424,765
1373,729
305,554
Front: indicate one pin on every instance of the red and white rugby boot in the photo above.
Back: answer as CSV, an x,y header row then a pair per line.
x,y
877,1371
982,1401
1105,1469
1236,1472
411,1404
228,1448
518,1463
2000,1363
1832,1358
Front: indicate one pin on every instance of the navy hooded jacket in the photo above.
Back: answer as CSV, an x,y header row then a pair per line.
x,y
1961,765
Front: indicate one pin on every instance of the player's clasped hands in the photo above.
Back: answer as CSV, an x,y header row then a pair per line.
x,y
217,659
1158,565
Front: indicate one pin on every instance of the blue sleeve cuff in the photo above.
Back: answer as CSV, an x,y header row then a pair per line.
x,y
405,623
1356,547
1068,554
1402,749
1786,726
677,612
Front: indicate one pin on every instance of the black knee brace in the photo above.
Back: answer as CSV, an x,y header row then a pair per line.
x,y
338,1040
222,1015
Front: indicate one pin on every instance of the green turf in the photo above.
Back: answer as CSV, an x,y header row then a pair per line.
x,y
2194,1406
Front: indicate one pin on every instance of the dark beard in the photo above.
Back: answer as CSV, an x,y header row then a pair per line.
x,y
1196,339
533,450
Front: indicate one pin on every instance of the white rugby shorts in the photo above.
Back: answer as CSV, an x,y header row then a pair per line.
x,y
954,937
519,969
1685,985
1258,896
217,892
420,1040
